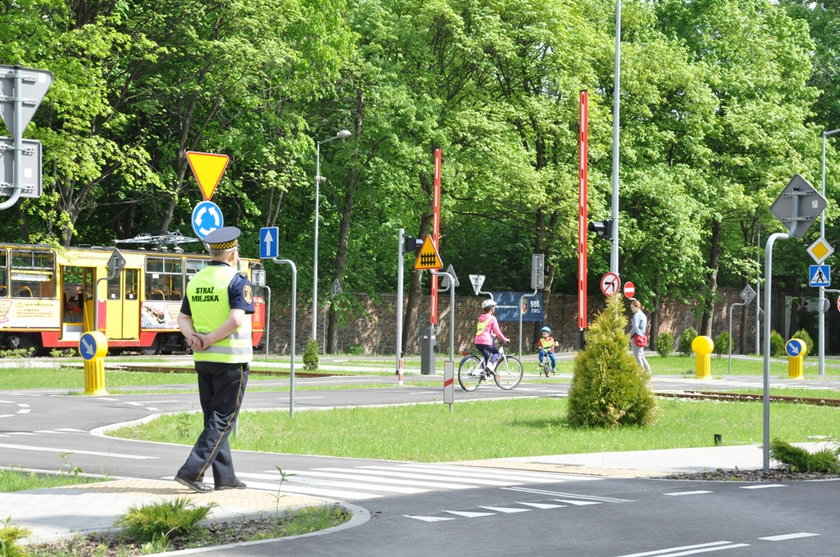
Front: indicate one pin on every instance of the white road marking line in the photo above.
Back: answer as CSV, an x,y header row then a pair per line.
x,y
681,493
76,451
348,474
568,495
429,518
688,549
21,433
500,473
333,483
473,478
765,486
544,506
784,537
469,514
506,510
71,430
577,503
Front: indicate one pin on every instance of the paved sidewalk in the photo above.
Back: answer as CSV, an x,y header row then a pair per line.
x,y
63,512
67,511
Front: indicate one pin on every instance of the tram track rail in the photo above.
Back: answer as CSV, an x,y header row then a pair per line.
x,y
749,397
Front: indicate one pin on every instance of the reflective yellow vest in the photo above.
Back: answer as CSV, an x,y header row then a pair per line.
x,y
210,307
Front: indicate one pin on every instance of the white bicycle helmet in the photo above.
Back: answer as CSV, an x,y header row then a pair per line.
x,y
488,304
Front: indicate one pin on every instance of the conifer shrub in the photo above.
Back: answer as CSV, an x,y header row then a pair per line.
x,y
609,389
723,343
777,345
805,336
310,356
797,459
686,338
664,344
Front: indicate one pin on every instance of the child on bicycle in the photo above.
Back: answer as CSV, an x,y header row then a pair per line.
x,y
547,345
486,328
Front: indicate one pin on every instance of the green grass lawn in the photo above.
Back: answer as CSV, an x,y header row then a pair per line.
x,y
17,480
494,429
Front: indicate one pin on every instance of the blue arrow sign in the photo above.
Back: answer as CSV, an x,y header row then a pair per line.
x,y
87,346
793,347
207,217
268,242
819,275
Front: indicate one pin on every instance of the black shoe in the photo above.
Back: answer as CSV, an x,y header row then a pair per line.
x,y
235,484
195,485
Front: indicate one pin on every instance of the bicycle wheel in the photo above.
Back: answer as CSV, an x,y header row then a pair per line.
x,y
508,372
546,366
470,373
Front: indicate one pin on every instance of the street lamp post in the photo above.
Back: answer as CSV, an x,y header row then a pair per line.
x,y
343,134
821,305
615,145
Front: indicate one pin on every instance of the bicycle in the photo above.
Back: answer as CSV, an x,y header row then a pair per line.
x,y
545,367
472,371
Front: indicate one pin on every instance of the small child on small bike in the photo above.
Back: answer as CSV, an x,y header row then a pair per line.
x,y
486,328
547,345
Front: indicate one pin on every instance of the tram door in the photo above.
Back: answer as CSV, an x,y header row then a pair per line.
x,y
76,290
123,305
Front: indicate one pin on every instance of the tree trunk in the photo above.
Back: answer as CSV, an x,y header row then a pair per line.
x,y
711,278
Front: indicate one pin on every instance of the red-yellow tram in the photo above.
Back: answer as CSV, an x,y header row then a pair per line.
x,y
47,297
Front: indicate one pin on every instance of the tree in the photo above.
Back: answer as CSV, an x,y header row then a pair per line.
x,y
609,389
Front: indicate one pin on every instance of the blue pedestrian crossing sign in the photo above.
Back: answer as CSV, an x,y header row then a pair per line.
x,y
819,275
207,217
268,242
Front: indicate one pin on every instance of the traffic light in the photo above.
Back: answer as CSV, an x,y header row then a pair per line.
x,y
602,228
410,243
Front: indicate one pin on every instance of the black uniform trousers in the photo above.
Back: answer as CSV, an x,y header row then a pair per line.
x,y
220,389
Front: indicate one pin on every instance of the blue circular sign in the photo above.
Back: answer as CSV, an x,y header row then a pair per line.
x,y
93,345
207,217
794,347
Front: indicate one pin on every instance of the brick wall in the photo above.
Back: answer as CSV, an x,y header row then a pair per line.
x,y
374,327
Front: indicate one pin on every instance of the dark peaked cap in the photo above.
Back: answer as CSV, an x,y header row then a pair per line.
x,y
223,238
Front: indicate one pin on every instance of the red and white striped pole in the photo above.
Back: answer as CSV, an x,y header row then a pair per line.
x,y
583,209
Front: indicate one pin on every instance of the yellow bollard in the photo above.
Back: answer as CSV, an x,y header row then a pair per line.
x,y
703,347
796,350
93,346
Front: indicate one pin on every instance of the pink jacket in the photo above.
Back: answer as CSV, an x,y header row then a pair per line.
x,y
486,327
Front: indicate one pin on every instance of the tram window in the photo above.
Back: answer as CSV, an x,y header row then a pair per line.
x,y
132,283
164,278
114,288
4,290
33,274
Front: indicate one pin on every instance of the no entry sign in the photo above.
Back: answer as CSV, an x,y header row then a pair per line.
x,y
629,289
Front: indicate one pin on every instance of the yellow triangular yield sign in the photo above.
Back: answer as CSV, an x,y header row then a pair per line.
x,y
428,257
207,169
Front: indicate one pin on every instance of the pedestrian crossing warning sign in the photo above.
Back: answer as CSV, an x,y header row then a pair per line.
x,y
428,257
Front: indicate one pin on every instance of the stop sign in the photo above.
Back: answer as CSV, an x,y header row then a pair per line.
x,y
630,290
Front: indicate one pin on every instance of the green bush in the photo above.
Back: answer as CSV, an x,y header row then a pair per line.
x,y
609,389
723,343
804,336
355,350
777,345
162,521
686,338
9,536
310,356
664,344
799,460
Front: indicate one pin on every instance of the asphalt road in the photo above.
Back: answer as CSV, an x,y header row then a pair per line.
x,y
428,509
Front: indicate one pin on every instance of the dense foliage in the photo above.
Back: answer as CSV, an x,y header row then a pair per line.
x,y
722,101
609,389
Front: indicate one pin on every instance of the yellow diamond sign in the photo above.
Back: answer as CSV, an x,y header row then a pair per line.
x,y
820,250
428,257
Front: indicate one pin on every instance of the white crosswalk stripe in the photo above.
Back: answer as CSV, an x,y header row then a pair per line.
x,y
375,481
